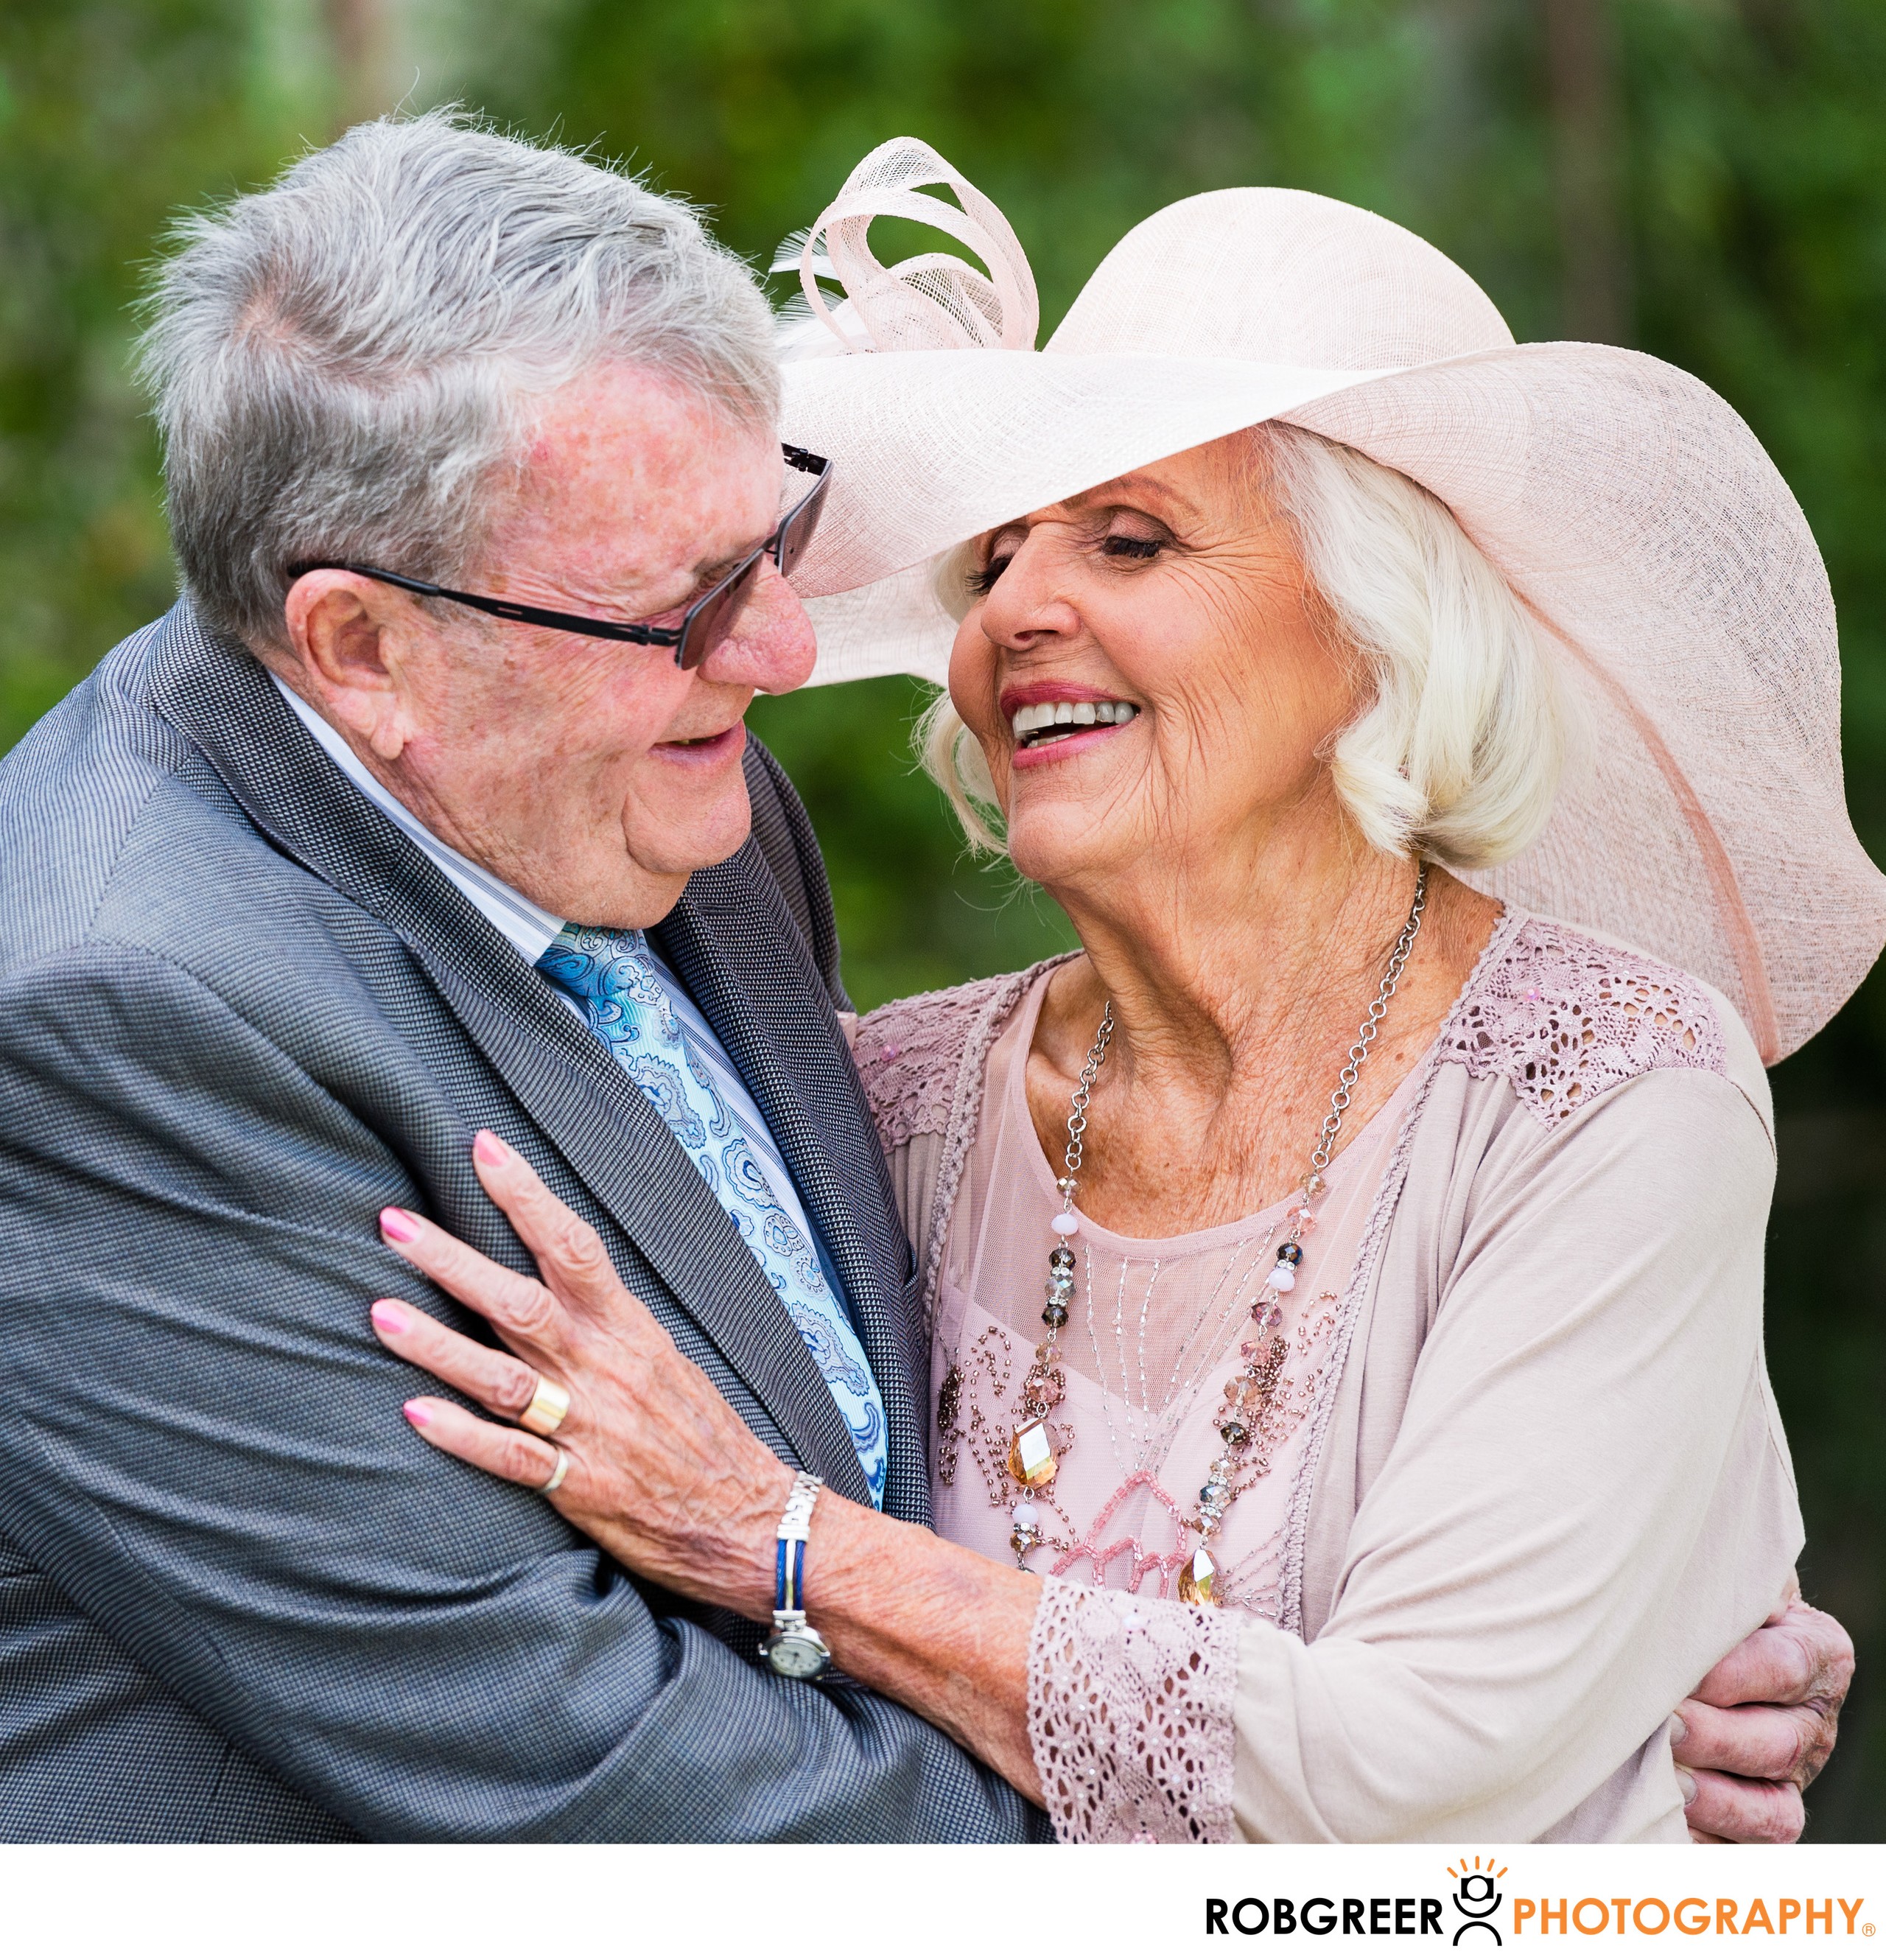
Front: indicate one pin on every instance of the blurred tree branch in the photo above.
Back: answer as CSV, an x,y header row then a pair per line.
x,y
1588,162
360,35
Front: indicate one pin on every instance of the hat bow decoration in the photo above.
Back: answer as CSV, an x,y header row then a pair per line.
x,y
928,303
1629,508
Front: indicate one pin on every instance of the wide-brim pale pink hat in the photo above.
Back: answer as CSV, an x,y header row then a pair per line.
x,y
1630,508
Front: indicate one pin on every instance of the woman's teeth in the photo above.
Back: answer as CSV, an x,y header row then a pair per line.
x,y
1047,721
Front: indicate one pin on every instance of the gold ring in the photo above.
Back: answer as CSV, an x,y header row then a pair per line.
x,y
548,1406
556,1475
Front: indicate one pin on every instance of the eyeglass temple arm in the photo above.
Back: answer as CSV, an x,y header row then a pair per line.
x,y
505,609
538,616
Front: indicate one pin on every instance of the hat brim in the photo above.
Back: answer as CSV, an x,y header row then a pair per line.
x,y
1628,505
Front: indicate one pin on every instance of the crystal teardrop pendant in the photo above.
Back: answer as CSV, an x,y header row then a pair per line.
x,y
1031,1457
1196,1577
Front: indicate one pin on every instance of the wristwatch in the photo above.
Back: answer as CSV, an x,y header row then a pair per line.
x,y
793,1647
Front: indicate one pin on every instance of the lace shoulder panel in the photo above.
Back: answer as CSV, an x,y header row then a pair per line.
x,y
1563,1017
909,1051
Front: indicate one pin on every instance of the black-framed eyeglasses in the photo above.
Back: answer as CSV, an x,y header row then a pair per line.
x,y
706,622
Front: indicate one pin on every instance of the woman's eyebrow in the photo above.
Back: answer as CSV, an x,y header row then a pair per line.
x,y
1122,492
1132,487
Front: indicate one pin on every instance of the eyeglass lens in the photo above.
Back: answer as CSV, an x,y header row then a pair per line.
x,y
713,619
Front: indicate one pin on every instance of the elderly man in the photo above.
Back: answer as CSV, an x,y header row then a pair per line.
x,y
393,830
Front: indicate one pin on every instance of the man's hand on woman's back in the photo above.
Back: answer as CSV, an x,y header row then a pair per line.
x,y
1761,1724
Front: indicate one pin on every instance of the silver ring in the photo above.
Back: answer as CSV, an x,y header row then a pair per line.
x,y
556,1475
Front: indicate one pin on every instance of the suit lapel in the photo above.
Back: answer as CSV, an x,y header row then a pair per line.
x,y
215,692
628,1160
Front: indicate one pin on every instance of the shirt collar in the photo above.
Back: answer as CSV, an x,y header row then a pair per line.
x,y
528,926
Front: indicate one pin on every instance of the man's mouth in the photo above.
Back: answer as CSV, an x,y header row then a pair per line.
x,y
694,746
1044,722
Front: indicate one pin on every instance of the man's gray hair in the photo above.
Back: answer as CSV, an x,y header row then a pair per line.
x,y
345,364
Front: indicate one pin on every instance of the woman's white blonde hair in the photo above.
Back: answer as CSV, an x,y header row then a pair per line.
x,y
1458,753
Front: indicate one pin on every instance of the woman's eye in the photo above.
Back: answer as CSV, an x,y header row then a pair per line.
x,y
1125,547
983,582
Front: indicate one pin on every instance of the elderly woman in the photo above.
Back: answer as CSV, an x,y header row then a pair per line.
x,y
1343,1275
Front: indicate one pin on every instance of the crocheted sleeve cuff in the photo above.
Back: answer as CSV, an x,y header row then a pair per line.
x,y
1130,1716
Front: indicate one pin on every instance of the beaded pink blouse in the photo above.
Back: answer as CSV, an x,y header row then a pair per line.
x,y
1155,1330
1523,1483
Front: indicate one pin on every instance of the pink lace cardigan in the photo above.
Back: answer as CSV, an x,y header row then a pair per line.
x,y
1137,1706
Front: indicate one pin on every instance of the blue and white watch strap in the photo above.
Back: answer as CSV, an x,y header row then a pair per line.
x,y
795,1525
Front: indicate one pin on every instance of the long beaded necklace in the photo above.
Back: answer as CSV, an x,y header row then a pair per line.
x,y
1033,1453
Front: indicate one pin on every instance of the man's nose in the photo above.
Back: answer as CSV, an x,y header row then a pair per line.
x,y
771,647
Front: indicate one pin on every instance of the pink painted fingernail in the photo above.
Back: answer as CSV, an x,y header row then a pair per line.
x,y
417,1414
400,1226
388,1317
488,1150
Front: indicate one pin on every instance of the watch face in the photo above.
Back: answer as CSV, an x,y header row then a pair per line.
x,y
799,1656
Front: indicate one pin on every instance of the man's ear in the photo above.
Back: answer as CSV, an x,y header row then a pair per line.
x,y
348,639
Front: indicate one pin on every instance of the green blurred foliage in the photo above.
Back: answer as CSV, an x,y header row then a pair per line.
x,y
1752,171
113,114
915,911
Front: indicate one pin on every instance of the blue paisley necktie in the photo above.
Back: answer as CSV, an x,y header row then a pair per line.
x,y
670,1052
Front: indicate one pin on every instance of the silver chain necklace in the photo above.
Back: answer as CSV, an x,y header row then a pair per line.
x,y
1033,1453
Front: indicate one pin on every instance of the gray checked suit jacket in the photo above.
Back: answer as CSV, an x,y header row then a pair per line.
x,y
239,1598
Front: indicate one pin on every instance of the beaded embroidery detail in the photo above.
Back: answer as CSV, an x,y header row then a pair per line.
x,y
921,1062
972,1442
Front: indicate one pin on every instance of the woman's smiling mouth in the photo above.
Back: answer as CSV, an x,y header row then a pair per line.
x,y
1042,723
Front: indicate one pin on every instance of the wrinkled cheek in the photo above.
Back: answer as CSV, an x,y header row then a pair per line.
x,y
995,757
972,680
972,671
1213,763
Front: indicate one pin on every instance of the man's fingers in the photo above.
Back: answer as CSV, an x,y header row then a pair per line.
x,y
515,1306
1775,1744
494,1380
1771,1664
1745,1812
569,1254
513,1454
1800,1654
1802,1659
